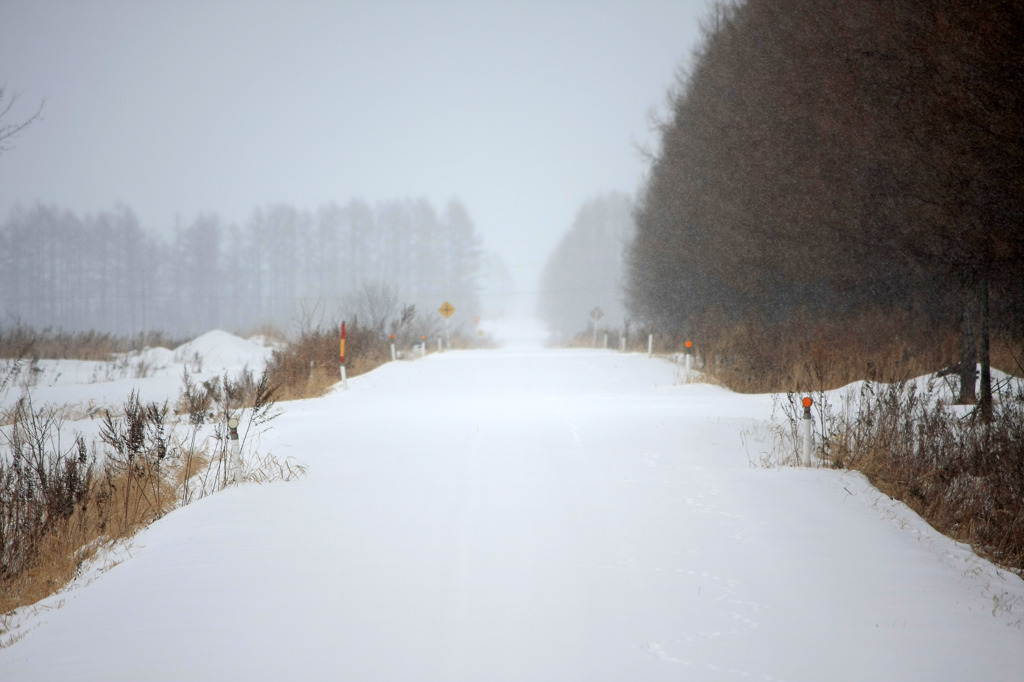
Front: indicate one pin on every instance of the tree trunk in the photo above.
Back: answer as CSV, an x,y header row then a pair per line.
x,y
985,400
968,351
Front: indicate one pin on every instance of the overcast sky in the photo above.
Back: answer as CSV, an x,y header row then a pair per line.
x,y
521,110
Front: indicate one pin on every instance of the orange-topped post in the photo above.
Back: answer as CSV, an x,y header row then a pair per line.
x,y
807,423
689,360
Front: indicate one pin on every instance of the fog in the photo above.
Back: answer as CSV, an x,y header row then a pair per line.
x,y
520,111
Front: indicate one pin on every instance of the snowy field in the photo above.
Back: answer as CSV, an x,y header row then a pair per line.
x,y
525,514
156,373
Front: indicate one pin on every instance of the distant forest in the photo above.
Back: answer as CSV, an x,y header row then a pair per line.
x,y
283,266
586,271
840,177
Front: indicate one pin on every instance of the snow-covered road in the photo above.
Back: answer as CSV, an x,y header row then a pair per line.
x,y
534,515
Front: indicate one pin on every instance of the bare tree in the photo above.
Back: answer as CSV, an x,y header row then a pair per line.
x,y
8,131
374,305
832,157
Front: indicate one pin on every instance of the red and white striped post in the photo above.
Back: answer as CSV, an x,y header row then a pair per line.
x,y
344,378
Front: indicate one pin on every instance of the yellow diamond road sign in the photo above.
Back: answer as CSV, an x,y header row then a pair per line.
x,y
447,309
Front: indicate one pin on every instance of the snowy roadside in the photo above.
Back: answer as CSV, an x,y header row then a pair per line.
x,y
533,515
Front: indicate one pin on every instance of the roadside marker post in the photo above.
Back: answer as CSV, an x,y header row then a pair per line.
x,y
650,344
393,354
344,378
423,345
807,423
689,359
236,450
596,314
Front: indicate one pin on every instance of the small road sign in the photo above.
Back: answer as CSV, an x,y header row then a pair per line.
x,y
447,309
597,314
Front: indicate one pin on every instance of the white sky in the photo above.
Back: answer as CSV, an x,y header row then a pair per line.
x,y
521,110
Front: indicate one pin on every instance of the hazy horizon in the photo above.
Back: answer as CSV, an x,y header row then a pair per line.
x,y
521,111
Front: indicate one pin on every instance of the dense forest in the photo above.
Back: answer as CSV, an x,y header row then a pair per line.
x,y
586,271
284,266
840,177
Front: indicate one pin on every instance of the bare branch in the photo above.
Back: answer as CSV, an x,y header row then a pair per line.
x,y
8,131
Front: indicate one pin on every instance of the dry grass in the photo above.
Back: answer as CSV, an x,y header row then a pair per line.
x,y
964,476
468,342
809,353
269,468
308,366
60,505
269,332
26,342
110,509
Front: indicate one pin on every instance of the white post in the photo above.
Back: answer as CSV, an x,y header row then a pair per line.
x,y
440,345
393,356
423,348
344,378
236,455
807,425
236,450
689,366
448,332
650,345
606,340
622,343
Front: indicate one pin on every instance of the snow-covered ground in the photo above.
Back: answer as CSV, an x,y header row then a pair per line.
x,y
529,514
156,373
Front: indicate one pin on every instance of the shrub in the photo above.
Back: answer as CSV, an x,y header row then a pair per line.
x,y
309,365
60,504
28,343
963,475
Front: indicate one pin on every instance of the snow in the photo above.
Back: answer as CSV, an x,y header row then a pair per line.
x,y
224,350
529,514
156,373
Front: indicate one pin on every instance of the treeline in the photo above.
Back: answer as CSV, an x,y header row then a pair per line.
x,y
848,171
105,272
586,271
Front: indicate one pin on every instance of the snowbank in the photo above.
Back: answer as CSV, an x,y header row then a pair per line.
x,y
544,515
